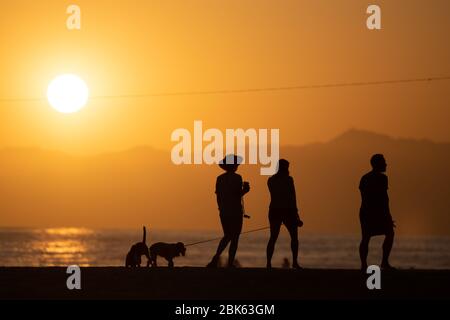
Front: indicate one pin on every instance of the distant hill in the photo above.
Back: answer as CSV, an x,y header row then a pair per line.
x,y
142,186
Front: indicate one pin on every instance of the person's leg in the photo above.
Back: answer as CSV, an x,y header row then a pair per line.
x,y
293,232
222,244
233,248
364,251
274,232
387,247
235,230
220,248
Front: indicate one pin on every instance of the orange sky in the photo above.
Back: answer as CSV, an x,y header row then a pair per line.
x,y
133,46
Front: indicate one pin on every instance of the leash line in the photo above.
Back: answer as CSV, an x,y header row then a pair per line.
x,y
215,239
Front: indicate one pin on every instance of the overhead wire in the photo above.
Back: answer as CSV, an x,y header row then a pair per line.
x,y
246,90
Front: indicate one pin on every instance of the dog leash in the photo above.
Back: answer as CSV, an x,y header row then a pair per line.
x,y
215,239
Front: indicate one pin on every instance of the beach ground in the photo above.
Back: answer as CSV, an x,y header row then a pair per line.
x,y
220,284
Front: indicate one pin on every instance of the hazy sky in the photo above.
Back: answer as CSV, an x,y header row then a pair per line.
x,y
134,47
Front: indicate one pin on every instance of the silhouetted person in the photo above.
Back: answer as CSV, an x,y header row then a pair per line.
x,y
229,191
283,210
375,215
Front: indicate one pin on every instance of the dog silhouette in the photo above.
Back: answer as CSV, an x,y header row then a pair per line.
x,y
138,250
166,250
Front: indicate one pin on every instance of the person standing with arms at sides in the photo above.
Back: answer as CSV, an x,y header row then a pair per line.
x,y
375,215
229,192
283,210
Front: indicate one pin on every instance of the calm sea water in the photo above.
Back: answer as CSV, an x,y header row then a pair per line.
x,y
88,247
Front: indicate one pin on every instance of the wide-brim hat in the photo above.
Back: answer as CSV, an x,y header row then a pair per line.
x,y
230,162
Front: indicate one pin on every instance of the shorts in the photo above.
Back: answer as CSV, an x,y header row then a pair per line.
x,y
231,224
288,217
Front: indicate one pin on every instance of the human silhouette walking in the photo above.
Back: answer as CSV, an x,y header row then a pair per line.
x,y
283,210
229,192
375,215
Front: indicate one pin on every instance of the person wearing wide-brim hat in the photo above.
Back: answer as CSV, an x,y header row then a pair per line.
x,y
230,162
229,192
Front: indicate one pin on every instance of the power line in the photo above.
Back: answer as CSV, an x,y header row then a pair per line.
x,y
248,90
272,89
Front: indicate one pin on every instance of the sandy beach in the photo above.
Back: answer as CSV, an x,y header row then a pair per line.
x,y
200,283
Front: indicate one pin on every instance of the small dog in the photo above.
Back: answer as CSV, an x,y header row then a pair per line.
x,y
166,250
139,249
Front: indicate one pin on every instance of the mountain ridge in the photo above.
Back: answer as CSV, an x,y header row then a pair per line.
x,y
351,133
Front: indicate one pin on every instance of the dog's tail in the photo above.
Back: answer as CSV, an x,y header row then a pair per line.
x,y
144,239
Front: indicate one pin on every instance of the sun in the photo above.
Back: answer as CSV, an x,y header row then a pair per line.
x,y
67,93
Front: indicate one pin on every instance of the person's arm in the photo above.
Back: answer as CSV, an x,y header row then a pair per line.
x,y
245,187
388,209
219,200
361,188
293,193
294,202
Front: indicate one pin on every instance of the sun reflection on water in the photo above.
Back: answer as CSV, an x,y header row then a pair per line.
x,y
68,231
62,246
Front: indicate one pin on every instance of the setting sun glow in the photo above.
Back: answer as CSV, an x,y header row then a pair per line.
x,y
67,93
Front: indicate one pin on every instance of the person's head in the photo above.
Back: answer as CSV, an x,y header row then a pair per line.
x,y
230,163
283,166
378,163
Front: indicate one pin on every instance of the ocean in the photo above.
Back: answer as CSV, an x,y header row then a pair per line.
x,y
101,247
